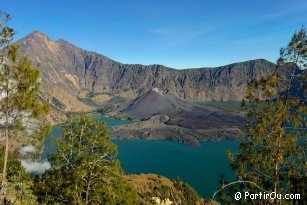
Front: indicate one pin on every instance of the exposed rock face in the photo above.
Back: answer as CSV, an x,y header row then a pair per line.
x,y
63,63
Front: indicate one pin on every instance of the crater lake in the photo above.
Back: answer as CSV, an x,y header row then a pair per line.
x,y
201,167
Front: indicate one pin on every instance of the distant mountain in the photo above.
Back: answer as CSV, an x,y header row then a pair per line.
x,y
63,64
156,102
163,115
181,112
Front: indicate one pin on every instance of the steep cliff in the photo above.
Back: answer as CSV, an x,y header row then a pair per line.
x,y
62,63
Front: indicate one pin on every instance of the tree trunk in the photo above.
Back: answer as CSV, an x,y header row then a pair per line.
x,y
6,153
88,189
277,185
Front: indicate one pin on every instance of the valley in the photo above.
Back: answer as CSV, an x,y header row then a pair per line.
x,y
163,101
153,102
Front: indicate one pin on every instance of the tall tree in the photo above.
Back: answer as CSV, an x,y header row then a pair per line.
x,y
272,151
84,169
18,89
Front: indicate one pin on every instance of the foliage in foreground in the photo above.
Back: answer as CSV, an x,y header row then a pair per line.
x,y
190,196
19,183
272,152
151,186
19,99
85,169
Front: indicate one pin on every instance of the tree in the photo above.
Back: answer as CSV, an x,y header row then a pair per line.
x,y
18,89
190,196
84,169
272,152
19,183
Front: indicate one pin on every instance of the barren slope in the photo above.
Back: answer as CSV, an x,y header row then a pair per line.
x,y
60,62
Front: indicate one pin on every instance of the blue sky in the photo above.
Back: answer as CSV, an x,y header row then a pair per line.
x,y
175,33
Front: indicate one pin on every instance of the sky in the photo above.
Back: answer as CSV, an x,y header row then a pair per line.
x,y
174,33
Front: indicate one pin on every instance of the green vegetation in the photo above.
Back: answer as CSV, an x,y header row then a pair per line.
x,y
230,106
111,105
106,109
57,103
19,87
190,196
111,99
88,101
85,169
149,186
103,106
272,153
116,100
18,189
91,94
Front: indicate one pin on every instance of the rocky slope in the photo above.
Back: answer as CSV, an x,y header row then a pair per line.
x,y
158,128
64,64
156,102
164,115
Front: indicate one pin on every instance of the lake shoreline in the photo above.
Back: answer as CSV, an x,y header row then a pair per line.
x,y
199,166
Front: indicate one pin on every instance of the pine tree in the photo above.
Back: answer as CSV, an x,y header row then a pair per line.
x,y
272,152
18,89
85,169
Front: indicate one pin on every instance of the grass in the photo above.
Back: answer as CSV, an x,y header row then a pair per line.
x,y
152,185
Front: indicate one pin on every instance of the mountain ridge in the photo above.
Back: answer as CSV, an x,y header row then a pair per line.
x,y
78,69
60,40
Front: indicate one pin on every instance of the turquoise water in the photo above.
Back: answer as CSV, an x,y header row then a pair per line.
x,y
56,132
201,167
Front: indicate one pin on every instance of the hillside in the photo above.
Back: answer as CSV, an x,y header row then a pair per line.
x,y
62,63
76,80
152,185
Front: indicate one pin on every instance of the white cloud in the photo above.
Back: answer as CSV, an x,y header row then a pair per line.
x,y
38,167
27,149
